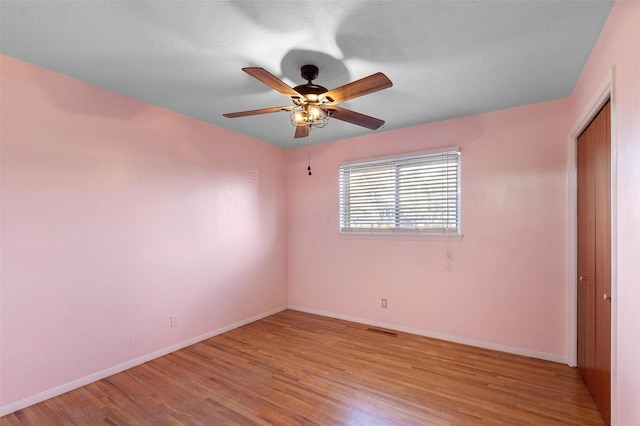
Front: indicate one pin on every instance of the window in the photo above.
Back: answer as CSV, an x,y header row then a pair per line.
x,y
417,195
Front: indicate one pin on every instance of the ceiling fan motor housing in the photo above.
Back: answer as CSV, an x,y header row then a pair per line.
x,y
309,72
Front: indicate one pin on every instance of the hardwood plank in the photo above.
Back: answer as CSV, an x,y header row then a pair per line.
x,y
297,368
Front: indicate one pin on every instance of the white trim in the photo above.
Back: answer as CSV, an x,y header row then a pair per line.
x,y
606,91
614,250
59,390
572,255
455,339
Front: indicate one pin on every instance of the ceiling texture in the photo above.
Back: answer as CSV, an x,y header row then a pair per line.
x,y
446,59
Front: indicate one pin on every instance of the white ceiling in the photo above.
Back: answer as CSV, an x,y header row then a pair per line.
x,y
447,59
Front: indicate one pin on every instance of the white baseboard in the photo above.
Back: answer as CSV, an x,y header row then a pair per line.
x,y
455,339
59,390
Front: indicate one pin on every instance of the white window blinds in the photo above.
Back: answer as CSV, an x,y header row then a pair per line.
x,y
410,195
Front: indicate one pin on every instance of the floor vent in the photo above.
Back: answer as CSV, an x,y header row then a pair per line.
x,y
385,332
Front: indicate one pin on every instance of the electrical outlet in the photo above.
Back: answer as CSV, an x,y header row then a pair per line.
x,y
174,320
383,302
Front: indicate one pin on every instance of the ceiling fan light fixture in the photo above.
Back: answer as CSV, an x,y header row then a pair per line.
x,y
311,115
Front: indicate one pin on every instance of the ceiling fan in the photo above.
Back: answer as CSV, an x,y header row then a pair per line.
x,y
313,104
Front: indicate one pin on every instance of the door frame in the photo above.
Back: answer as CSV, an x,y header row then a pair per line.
x,y
604,93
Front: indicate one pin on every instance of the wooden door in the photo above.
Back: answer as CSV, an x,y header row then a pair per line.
x,y
586,258
594,259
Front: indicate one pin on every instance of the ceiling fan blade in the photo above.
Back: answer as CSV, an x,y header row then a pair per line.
x,y
271,80
302,131
257,112
355,118
364,86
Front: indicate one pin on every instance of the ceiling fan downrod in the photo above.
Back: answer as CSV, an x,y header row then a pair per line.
x,y
309,72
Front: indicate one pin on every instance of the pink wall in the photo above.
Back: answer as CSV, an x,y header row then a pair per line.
x,y
116,215
619,45
505,282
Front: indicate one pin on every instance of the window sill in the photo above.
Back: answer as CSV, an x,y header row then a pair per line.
x,y
373,235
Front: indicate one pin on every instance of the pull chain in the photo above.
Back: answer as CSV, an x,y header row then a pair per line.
x,y
309,153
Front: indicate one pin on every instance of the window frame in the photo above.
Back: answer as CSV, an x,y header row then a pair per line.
x,y
396,232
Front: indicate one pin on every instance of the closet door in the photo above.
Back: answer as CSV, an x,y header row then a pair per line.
x,y
586,258
594,259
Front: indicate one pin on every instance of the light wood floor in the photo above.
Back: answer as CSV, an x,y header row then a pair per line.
x,y
297,368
